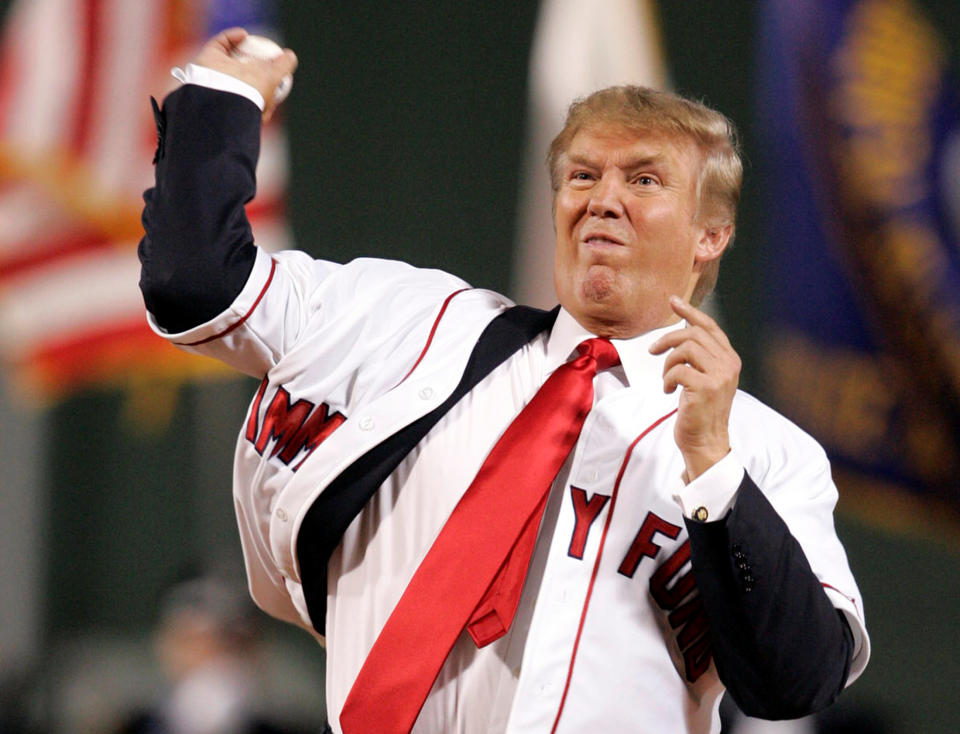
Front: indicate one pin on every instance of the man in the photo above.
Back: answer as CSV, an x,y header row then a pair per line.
x,y
391,395
207,642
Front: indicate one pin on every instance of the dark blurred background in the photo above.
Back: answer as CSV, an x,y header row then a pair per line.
x,y
406,136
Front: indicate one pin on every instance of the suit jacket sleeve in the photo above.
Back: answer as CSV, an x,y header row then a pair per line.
x,y
780,646
198,250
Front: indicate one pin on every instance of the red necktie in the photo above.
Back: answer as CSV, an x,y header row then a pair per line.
x,y
473,573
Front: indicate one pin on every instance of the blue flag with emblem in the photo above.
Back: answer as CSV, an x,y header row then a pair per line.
x,y
860,147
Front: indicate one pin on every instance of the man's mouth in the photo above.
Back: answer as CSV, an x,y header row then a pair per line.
x,y
602,240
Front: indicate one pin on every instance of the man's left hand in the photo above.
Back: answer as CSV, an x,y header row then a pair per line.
x,y
702,362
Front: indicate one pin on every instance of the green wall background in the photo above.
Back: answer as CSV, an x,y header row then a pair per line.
x,y
405,129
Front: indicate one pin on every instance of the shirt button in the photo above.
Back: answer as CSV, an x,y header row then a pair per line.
x,y
366,423
282,514
426,393
516,672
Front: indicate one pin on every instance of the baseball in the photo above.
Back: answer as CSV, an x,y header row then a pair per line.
x,y
261,47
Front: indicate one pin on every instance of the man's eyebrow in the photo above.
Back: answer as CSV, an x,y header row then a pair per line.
x,y
629,164
578,158
644,160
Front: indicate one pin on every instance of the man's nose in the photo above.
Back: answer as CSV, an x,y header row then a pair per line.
x,y
607,197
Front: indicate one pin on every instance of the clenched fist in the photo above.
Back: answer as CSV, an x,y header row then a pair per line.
x,y
263,74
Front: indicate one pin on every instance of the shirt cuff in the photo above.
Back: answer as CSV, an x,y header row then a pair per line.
x,y
711,495
204,76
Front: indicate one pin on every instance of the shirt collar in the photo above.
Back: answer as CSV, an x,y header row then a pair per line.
x,y
638,364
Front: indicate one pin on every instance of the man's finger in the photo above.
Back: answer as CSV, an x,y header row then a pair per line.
x,y
713,342
689,352
695,317
690,312
677,337
681,375
229,38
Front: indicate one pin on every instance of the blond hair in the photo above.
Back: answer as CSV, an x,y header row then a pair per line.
x,y
642,109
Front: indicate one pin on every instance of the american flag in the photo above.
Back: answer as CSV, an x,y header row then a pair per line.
x,y
76,144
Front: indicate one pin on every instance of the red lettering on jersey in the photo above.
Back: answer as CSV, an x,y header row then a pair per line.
x,y
643,544
586,512
691,619
311,434
281,420
696,658
669,589
255,412
294,428
668,598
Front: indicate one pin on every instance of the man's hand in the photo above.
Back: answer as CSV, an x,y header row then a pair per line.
x,y
703,363
262,74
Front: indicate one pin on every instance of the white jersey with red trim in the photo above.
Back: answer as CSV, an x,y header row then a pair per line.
x,y
610,634
327,340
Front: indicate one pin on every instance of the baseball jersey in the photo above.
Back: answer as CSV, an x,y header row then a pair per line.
x,y
610,632
609,614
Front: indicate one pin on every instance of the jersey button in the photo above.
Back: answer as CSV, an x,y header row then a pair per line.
x,y
426,393
366,423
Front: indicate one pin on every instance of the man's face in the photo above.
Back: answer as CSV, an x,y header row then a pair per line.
x,y
626,235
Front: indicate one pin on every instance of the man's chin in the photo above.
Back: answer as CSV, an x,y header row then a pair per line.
x,y
599,286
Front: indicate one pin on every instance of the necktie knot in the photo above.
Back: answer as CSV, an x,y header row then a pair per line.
x,y
602,351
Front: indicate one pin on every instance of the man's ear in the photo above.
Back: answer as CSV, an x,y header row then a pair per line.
x,y
713,241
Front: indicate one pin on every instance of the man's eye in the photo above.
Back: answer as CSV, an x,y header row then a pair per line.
x,y
645,180
580,176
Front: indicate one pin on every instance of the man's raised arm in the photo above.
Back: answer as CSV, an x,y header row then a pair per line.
x,y
198,251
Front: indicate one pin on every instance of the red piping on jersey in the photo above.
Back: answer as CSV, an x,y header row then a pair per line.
x,y
596,564
433,331
273,267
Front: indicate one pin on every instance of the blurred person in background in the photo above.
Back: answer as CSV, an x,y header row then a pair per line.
x,y
207,643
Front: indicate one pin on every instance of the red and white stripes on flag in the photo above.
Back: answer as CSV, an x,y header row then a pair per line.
x,y
76,144
578,47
